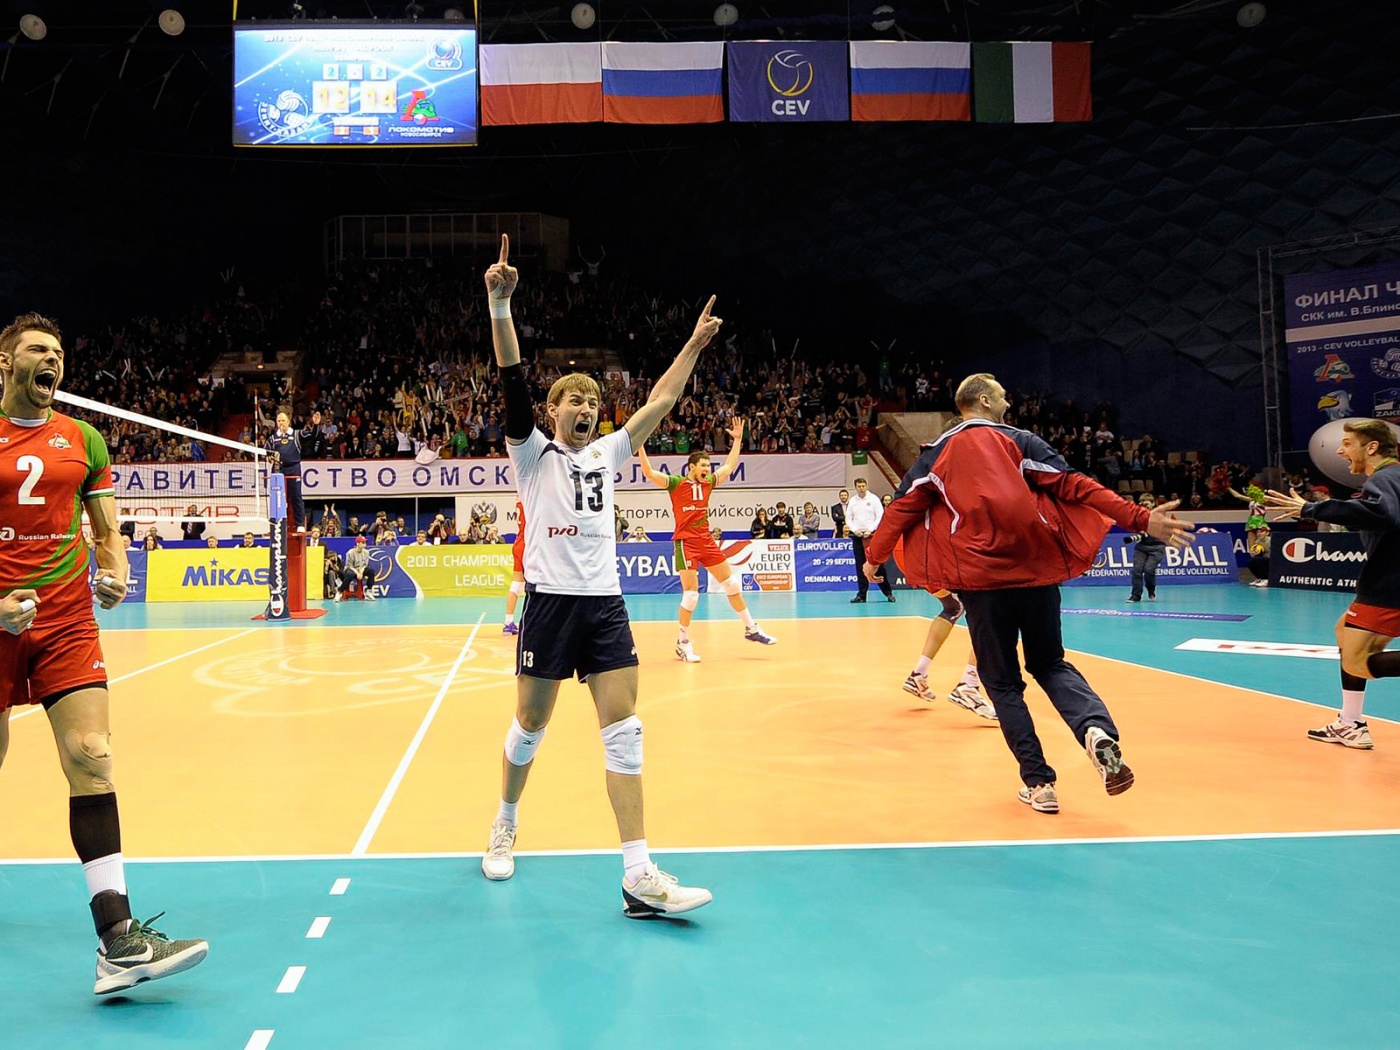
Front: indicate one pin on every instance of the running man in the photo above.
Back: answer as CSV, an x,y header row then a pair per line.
x,y
1373,619
574,621
52,469
694,547
517,579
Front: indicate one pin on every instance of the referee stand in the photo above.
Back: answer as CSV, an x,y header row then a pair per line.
x,y
286,577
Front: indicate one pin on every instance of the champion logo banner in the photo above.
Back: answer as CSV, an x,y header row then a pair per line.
x,y
789,82
663,83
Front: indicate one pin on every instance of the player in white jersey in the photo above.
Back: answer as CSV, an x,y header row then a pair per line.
x,y
574,621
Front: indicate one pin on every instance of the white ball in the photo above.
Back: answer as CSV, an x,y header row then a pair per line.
x,y
1322,447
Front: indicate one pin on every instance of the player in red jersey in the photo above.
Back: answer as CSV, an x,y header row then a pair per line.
x,y
517,579
690,505
52,469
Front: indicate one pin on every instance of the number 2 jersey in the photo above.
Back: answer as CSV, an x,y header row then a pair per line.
x,y
567,494
47,468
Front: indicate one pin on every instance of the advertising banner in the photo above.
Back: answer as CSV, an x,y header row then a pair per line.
x,y
825,565
229,574
1343,335
171,487
646,568
453,570
1316,561
1211,559
789,81
278,607
762,565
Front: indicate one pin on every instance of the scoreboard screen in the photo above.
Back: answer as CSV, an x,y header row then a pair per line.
x,y
354,85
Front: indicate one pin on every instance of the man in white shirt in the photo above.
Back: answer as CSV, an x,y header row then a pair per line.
x,y
575,621
863,515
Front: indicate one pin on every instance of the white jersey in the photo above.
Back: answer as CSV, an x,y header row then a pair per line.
x,y
570,521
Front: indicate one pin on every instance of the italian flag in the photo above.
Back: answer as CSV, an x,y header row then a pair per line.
x,y
1031,83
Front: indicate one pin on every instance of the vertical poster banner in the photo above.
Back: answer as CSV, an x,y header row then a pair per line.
x,y
1343,335
789,81
278,608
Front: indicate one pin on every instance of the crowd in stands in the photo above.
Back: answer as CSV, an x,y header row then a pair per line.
x,y
396,362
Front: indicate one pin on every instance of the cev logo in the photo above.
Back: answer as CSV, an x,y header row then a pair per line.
x,y
790,74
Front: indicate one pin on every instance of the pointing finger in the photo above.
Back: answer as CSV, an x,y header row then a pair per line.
x,y
705,313
505,247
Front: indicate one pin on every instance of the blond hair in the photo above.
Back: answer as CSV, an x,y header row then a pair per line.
x,y
1369,430
574,382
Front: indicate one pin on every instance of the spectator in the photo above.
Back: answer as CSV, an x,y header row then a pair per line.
x,y
838,512
330,574
421,539
781,526
639,535
191,530
357,569
248,540
809,522
151,542
212,543
619,523
758,528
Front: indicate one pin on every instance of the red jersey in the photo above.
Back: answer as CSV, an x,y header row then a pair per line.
x,y
519,522
690,503
46,471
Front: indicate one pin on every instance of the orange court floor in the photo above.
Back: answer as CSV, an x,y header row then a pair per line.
x,y
342,737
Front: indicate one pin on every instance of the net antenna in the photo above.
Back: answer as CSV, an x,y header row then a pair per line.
x,y
228,490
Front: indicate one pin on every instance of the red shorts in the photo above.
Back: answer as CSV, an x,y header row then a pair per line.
x,y
517,550
692,552
1374,618
45,660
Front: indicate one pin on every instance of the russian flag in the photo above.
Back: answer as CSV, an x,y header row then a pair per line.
x,y
541,83
910,80
663,83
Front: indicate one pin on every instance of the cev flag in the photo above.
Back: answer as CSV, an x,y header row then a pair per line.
x,y
663,83
786,81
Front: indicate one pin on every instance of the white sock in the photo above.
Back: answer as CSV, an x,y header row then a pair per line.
x,y
684,635
1352,701
507,812
635,859
923,665
750,624
510,618
970,676
105,873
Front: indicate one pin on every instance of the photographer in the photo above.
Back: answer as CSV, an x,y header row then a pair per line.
x,y
1146,558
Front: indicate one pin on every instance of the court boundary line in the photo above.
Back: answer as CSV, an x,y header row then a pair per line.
x,y
391,789
831,847
36,708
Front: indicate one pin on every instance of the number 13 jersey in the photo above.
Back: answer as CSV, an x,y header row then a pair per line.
x,y
567,493
47,469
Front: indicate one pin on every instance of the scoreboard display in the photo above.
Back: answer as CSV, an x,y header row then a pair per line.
x,y
355,85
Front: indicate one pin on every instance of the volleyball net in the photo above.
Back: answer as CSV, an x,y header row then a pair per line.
x,y
166,474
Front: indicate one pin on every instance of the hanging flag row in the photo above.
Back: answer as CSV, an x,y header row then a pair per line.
x,y
784,82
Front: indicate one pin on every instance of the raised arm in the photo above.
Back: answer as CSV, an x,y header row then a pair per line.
x,y
736,448
501,279
658,478
671,385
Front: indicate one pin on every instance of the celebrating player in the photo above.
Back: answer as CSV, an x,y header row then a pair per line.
x,y
575,621
49,651
690,506
1373,619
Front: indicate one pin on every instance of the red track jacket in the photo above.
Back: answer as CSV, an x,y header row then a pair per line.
x,y
987,507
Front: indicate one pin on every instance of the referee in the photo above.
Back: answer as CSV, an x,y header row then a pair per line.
x,y
863,516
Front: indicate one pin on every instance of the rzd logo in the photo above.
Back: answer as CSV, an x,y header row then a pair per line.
x,y
565,530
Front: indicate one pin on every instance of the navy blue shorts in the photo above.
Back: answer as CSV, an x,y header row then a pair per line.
x,y
566,634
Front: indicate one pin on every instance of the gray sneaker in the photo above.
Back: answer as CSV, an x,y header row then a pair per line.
x,y
1107,757
141,954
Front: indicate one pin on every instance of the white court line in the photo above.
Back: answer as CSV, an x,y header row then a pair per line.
x,y
1127,840
35,709
393,786
260,1039
290,980
318,927
339,886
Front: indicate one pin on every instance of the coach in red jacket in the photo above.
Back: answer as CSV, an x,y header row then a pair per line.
x,y
1001,519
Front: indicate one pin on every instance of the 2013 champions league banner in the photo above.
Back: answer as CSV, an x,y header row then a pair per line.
x,y
1343,334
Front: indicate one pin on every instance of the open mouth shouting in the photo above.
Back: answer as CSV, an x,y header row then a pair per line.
x,y
45,382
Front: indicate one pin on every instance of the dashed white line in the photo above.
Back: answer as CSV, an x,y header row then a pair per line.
x,y
339,886
260,1039
318,927
291,979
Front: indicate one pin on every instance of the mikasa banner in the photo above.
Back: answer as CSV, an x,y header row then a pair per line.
x,y
156,484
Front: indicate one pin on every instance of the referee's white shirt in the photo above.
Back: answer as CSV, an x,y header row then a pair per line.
x,y
863,513
567,495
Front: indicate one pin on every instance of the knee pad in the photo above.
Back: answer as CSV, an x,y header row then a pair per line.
x,y
92,753
522,745
952,607
517,587
689,600
622,746
732,586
